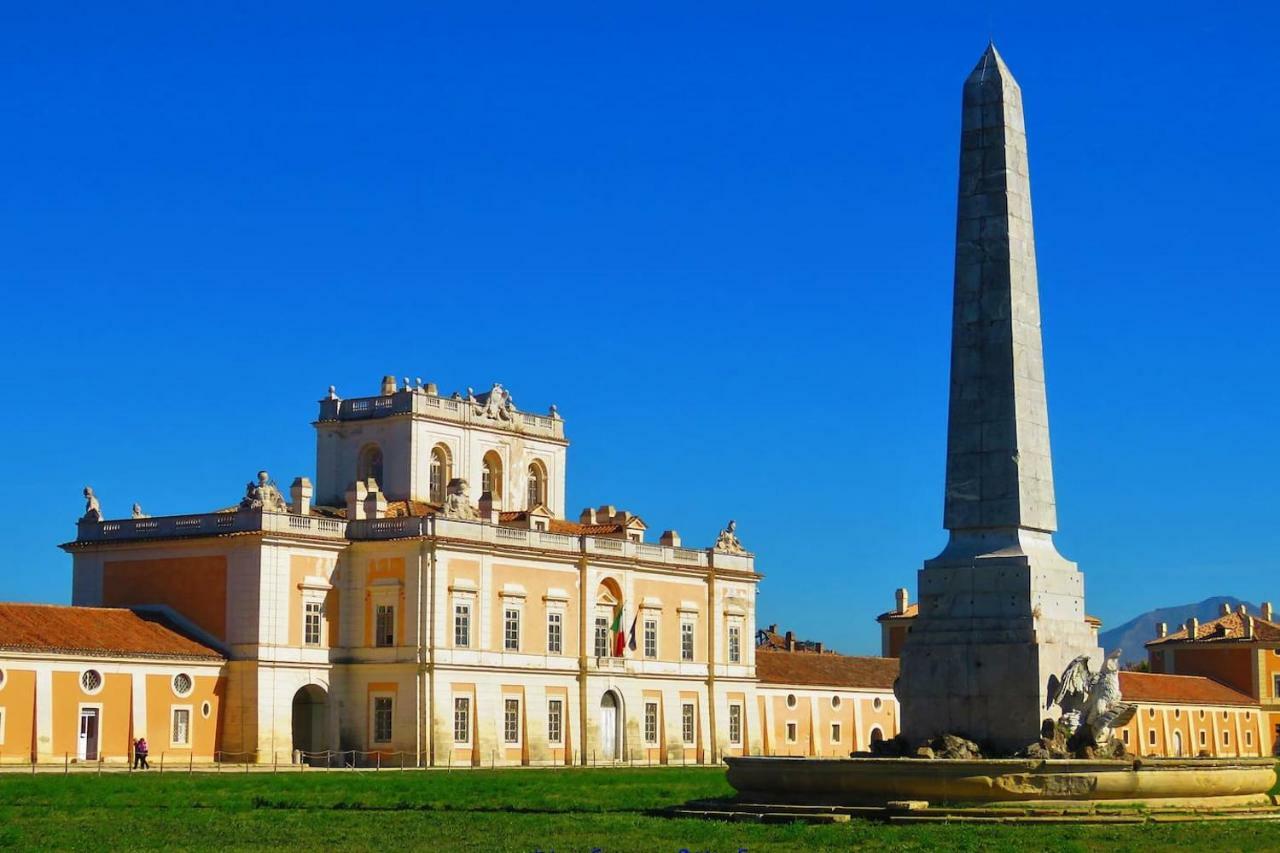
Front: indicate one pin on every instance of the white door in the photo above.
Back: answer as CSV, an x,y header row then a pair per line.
x,y
1177,744
87,743
609,727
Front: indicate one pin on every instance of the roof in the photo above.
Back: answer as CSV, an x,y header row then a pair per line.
x,y
96,632
1229,628
1179,689
825,670
910,613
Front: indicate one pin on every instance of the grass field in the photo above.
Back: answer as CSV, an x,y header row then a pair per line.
x,y
492,810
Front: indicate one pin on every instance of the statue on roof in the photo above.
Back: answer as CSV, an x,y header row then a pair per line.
x,y
137,511
263,495
457,504
495,404
1090,702
727,542
92,509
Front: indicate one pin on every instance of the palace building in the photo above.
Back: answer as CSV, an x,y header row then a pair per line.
x,y
384,612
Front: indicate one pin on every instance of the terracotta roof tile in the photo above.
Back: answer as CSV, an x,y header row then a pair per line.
x,y
573,528
95,631
1180,689
811,669
1225,628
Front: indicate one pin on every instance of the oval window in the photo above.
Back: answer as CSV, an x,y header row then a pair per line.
x,y
91,681
791,700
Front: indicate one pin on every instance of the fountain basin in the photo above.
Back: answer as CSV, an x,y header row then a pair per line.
x,y
856,781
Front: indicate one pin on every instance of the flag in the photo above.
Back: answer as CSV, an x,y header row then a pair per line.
x,y
632,644
619,636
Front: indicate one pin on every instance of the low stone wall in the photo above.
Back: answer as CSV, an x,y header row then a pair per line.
x,y
882,780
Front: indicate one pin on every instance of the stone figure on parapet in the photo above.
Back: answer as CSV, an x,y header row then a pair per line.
x,y
727,542
456,502
263,495
92,509
497,403
1090,702
137,511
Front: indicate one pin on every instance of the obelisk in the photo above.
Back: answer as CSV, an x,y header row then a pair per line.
x,y
1000,609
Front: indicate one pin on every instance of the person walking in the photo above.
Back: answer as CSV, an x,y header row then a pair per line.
x,y
140,754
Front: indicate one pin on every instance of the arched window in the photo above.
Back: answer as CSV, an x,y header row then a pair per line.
x,y
370,464
537,494
440,473
491,475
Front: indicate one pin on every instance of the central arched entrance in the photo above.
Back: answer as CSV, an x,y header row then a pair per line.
x,y
310,707
610,726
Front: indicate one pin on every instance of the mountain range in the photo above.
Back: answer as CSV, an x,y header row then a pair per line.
x,y
1132,635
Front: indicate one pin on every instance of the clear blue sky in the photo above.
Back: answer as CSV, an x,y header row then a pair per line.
x,y
719,237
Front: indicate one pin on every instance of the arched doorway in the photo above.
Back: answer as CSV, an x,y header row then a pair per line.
x,y
310,707
610,726
1177,744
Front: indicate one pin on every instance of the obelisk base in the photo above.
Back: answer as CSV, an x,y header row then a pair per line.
x,y
1000,612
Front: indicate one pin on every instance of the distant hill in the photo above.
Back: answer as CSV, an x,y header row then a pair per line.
x,y
1134,634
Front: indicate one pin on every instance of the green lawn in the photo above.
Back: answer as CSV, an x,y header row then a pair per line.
x,y
491,810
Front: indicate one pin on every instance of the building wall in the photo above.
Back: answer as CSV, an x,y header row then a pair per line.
x,y
812,712
1234,667
1219,731
18,706
43,695
194,585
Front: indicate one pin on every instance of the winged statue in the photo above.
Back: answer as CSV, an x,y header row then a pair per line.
x,y
1090,699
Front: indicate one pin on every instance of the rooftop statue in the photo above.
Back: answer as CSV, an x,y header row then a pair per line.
x,y
92,509
497,404
263,495
1091,702
456,502
137,511
727,542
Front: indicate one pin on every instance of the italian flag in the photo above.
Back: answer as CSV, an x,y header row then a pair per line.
x,y
619,636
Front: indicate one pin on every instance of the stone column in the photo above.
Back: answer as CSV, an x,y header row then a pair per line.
x,y
1000,609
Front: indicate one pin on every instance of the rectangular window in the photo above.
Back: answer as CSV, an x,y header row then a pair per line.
x,y
384,626
555,633
602,637
462,719
1151,737
650,722
735,644
651,638
791,732
511,720
181,726
1203,739
686,641
1125,737
835,732
1275,686
511,630
555,721
311,623
382,719
462,625
735,724
1226,738
687,723
1,725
